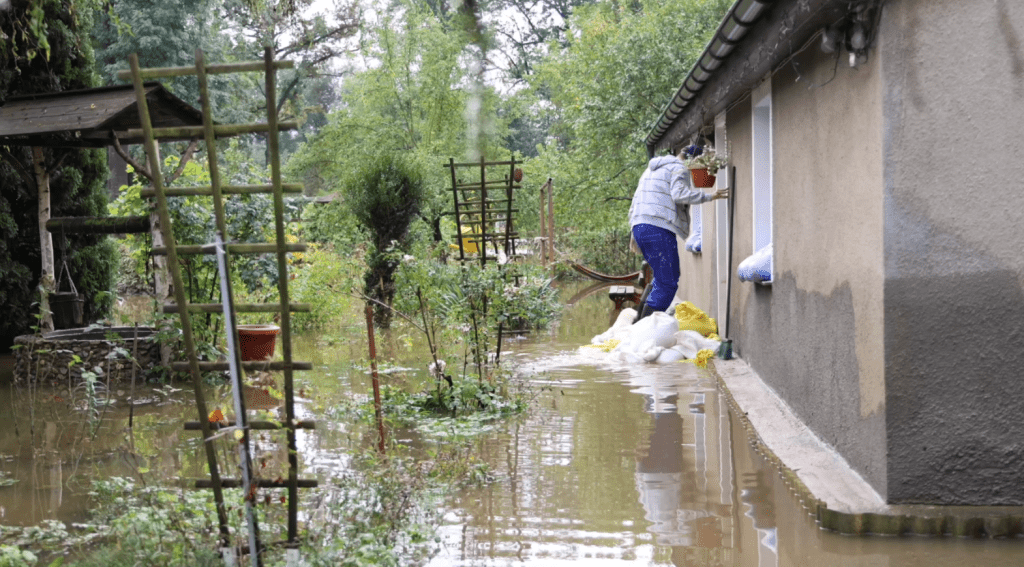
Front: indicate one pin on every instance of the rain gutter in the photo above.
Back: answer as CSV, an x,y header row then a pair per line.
x,y
754,36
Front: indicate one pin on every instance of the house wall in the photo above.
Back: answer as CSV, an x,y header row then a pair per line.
x,y
697,270
813,335
954,262
827,294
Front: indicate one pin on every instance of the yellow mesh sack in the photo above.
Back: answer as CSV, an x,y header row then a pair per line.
x,y
693,319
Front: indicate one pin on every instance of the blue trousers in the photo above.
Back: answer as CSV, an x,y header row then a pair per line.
x,y
659,248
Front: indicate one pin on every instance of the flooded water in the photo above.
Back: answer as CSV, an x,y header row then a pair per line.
x,y
612,465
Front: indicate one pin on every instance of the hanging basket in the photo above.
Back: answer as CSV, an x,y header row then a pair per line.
x,y
702,179
257,341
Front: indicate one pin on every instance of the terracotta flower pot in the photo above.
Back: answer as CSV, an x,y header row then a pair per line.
x,y
701,178
257,341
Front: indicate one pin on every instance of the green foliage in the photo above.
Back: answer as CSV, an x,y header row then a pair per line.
x,y
325,279
154,526
458,292
409,96
11,556
43,48
333,223
384,196
466,407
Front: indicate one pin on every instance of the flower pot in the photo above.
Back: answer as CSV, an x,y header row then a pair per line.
x,y
257,341
701,178
66,308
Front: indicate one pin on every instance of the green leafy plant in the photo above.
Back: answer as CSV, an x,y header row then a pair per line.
x,y
705,157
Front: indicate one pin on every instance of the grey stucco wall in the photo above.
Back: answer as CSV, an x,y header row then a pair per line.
x,y
954,261
814,335
696,270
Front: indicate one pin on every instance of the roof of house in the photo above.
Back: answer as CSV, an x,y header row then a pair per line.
x,y
754,38
89,117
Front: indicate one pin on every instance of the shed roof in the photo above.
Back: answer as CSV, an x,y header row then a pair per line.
x,y
89,117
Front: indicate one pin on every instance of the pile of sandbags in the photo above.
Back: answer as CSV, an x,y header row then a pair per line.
x,y
663,336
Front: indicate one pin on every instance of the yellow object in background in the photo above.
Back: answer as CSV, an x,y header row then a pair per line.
x,y
691,318
468,246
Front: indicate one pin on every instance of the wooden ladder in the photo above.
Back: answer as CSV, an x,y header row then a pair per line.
x,y
185,310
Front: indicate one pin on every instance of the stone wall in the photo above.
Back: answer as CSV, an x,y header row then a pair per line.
x,y
52,357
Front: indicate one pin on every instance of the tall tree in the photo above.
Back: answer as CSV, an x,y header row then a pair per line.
x,y
409,96
606,87
44,47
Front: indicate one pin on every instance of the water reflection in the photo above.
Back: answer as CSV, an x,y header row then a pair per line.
x,y
614,465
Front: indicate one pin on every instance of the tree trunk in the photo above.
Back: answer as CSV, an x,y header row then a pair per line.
x,y
47,279
161,277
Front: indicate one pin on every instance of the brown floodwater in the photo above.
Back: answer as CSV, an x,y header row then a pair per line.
x,y
613,465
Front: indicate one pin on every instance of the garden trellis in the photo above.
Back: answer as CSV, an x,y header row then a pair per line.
x,y
218,192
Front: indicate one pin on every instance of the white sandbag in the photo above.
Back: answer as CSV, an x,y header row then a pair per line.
x,y
624,357
689,342
658,327
649,351
673,354
619,330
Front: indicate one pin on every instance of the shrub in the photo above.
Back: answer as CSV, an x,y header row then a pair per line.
x,y
385,196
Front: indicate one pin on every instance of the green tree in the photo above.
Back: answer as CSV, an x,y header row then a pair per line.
x,y
44,47
410,96
608,84
385,196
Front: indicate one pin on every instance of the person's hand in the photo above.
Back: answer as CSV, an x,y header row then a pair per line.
x,y
720,194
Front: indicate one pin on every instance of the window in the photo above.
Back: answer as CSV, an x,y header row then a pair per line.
x,y
759,267
721,208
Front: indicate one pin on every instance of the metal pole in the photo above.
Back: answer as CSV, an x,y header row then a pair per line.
x,y
234,369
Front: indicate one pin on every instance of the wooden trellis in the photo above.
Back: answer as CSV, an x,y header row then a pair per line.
x,y
219,192
484,212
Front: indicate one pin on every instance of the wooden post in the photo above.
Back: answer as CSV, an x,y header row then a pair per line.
x,y
47,279
551,219
543,225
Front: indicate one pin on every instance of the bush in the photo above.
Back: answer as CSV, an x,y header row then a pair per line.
x,y
385,196
325,280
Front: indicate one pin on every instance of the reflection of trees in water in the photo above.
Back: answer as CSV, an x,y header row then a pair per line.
x,y
54,453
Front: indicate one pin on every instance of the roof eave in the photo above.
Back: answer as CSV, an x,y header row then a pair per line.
x,y
753,38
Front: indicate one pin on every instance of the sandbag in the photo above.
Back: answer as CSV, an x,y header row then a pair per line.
x,y
658,327
691,342
619,330
691,318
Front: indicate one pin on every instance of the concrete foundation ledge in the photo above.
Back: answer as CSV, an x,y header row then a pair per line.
x,y
828,487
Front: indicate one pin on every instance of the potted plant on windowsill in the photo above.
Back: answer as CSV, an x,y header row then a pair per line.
x,y
703,163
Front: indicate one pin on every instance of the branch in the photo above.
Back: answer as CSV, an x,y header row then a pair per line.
x,y
56,165
6,155
129,159
185,158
